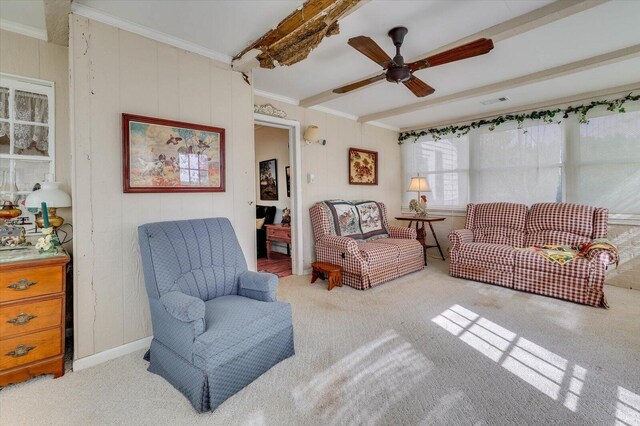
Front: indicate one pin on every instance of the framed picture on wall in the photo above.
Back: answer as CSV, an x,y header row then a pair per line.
x,y
269,180
363,167
170,156
287,172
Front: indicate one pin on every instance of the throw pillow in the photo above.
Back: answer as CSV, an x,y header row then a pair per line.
x,y
260,223
371,220
345,218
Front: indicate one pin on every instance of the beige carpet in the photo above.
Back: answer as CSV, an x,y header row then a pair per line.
x,y
424,349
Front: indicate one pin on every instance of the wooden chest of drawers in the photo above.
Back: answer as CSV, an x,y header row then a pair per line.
x,y
32,314
280,233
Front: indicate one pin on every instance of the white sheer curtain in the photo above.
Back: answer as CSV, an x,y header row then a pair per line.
x,y
517,165
4,111
596,164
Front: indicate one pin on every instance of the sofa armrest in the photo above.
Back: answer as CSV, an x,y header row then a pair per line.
x,y
605,257
339,243
183,307
402,233
460,236
258,286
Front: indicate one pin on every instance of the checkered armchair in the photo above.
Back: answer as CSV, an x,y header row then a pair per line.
x,y
356,235
216,325
486,250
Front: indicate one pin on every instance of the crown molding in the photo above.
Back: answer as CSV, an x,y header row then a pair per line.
x,y
276,97
27,30
123,24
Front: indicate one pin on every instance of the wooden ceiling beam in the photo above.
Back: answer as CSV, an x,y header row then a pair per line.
x,y
536,77
618,90
520,24
56,14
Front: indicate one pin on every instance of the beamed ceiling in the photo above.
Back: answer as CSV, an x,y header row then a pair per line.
x,y
544,50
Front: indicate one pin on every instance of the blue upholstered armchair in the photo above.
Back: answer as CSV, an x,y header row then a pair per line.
x,y
216,325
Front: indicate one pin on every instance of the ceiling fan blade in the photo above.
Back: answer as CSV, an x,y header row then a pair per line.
x,y
371,50
419,87
469,50
359,84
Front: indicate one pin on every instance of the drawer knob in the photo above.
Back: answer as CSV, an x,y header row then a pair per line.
x,y
21,285
21,350
21,319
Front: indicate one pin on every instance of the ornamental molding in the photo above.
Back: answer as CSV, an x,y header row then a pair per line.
x,y
268,109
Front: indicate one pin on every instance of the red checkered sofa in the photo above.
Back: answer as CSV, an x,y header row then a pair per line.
x,y
486,249
367,258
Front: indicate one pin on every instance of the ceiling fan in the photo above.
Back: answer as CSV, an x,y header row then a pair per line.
x,y
396,71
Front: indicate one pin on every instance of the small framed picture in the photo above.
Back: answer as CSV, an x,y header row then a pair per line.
x,y
269,180
287,172
363,167
170,156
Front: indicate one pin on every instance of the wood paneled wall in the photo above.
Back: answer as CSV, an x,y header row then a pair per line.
x,y
114,71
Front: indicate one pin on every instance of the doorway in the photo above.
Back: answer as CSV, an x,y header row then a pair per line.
x,y
278,213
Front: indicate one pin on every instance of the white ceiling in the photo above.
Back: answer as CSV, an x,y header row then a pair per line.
x,y
26,16
221,29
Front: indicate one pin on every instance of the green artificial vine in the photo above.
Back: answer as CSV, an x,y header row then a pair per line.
x,y
547,116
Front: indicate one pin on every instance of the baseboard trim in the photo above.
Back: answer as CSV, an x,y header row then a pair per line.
x,y
109,354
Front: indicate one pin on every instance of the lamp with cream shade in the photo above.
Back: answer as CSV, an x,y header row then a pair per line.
x,y
419,205
51,194
312,134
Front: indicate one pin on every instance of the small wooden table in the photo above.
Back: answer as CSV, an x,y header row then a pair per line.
x,y
327,270
422,233
280,233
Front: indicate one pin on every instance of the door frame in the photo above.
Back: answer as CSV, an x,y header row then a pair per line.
x,y
295,163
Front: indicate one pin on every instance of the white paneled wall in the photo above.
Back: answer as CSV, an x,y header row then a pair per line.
x,y
114,71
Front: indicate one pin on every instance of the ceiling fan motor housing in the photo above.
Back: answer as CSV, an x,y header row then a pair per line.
x,y
398,74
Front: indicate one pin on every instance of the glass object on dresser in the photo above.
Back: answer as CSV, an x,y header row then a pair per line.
x,y
27,146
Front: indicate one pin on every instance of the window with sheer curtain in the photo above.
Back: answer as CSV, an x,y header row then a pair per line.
x,y
596,164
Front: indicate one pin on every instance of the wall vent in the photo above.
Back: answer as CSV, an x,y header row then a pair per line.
x,y
495,101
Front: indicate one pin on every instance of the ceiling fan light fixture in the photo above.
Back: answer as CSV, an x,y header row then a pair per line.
x,y
398,74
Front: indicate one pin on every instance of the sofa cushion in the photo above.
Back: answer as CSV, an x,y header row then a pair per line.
x,y
379,256
486,252
559,223
407,249
528,259
371,220
234,321
497,223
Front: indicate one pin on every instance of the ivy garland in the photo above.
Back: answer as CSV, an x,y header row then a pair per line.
x,y
547,116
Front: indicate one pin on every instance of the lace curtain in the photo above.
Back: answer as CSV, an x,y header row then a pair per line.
x,y
32,107
4,111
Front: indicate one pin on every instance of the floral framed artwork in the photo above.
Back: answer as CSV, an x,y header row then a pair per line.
x,y
269,180
170,156
363,167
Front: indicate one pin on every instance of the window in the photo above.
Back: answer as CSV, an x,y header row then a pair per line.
x,y
27,148
596,164
607,163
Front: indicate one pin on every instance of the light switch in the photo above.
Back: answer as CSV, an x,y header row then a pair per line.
x,y
311,178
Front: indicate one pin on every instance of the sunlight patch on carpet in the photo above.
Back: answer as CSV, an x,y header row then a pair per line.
x,y
360,388
539,367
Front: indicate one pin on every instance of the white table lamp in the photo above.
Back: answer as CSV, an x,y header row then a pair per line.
x,y
51,194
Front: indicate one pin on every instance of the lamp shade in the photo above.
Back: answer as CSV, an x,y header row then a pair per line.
x,y
418,184
49,193
311,134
